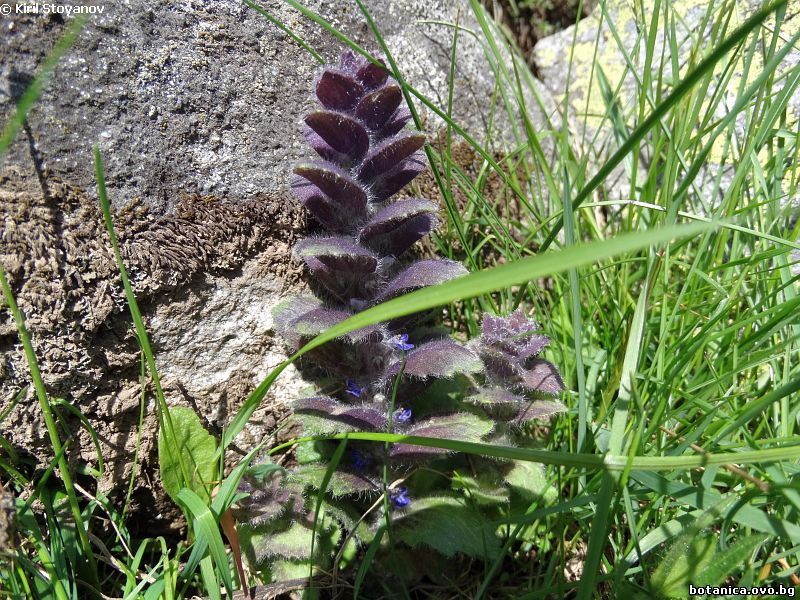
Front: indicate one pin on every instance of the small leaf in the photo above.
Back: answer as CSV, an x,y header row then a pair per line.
x,y
421,274
447,525
388,154
344,482
729,560
542,376
343,417
337,90
331,181
372,75
394,229
376,108
483,489
341,133
527,479
495,396
396,123
194,447
464,427
440,358
338,253
537,409
294,542
389,183
679,568
317,320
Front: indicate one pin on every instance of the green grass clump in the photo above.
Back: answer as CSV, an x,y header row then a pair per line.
x,y
673,310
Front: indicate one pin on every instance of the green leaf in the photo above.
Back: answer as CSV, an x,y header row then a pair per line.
x,y
730,559
195,447
206,529
529,481
341,483
448,525
682,564
483,489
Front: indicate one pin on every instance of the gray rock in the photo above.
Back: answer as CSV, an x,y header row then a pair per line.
x,y
196,108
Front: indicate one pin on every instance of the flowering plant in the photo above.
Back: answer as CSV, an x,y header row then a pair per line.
x,y
401,376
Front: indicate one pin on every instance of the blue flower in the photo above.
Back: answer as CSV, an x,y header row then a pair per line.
x,y
400,342
360,462
402,415
400,497
352,388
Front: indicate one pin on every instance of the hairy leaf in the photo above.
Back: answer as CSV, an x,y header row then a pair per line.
x,y
372,75
387,155
448,525
395,124
439,358
485,489
377,107
341,133
318,320
400,224
527,479
193,447
337,90
294,542
344,482
494,396
392,181
542,376
343,417
537,409
458,426
338,253
421,274
331,181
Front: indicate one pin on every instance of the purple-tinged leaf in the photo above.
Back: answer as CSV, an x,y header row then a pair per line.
x,y
317,320
337,90
464,427
495,396
344,482
501,329
532,346
325,151
343,284
537,409
288,311
440,358
376,108
331,181
389,154
512,338
372,75
388,184
336,417
542,376
337,253
396,123
342,133
422,274
398,226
